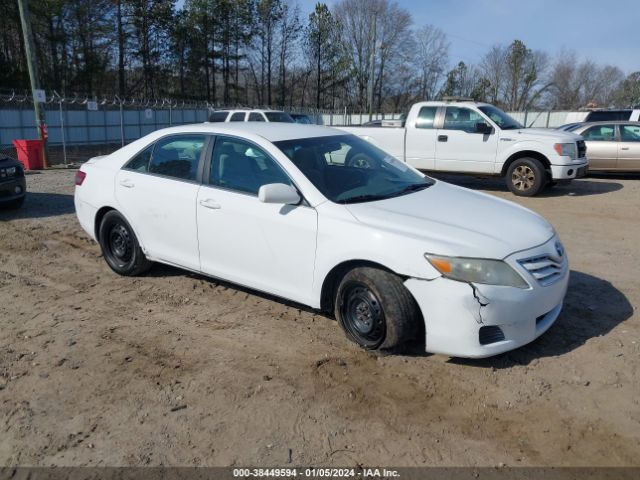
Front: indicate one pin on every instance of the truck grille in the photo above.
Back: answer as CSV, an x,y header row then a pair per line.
x,y
546,269
582,149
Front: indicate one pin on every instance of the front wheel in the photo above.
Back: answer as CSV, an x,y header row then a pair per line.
x,y
526,177
120,246
375,309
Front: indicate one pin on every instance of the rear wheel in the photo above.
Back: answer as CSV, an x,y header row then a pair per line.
x,y
526,177
120,246
375,310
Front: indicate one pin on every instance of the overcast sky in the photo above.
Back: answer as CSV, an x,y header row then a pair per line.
x,y
605,31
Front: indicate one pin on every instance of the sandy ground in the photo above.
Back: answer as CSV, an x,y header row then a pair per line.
x,y
176,369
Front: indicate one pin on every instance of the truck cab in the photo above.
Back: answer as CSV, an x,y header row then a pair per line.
x,y
479,138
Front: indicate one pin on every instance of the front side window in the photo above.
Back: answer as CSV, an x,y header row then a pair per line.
x,y
240,165
140,163
460,118
630,133
426,117
348,169
177,156
256,117
600,133
237,117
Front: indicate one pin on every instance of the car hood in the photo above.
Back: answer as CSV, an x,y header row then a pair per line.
x,y
456,221
9,162
559,136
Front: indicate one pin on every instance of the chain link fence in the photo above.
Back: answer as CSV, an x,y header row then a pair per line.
x,y
80,127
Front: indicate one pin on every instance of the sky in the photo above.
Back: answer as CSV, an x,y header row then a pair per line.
x,y
604,31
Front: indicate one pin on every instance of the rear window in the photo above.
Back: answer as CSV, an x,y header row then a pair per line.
x,y
218,116
608,115
279,117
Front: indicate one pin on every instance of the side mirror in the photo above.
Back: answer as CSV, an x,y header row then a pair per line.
x,y
278,193
483,128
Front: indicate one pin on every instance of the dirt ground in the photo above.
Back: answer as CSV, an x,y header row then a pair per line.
x,y
176,369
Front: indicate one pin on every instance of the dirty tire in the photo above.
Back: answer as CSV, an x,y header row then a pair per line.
x,y
375,309
526,177
120,246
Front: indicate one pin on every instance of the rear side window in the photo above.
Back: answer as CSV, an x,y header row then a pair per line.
x,y
256,117
241,166
600,133
608,115
140,163
177,156
218,116
426,117
280,117
237,117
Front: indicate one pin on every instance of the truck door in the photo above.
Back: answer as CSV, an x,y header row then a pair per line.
x,y
459,148
420,141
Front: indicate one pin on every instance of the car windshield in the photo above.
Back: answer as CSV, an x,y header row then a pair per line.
x,y
504,121
347,169
281,117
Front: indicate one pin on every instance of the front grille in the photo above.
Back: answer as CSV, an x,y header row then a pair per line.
x,y
582,149
490,334
546,269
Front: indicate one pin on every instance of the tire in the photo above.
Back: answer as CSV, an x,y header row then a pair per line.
x,y
526,177
375,310
120,246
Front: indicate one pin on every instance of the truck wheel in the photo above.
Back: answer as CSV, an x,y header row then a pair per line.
x,y
526,177
120,246
375,310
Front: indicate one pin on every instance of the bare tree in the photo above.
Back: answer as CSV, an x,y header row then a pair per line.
x,y
494,69
432,57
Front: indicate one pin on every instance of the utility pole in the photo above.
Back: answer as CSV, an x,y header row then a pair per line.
x,y
33,71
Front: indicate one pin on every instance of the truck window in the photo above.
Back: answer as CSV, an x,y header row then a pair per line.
x,y
237,117
218,116
630,133
459,118
256,117
608,115
426,117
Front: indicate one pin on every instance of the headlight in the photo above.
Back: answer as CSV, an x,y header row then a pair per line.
x,y
11,171
477,270
566,150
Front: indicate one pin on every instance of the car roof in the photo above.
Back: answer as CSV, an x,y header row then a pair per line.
x,y
608,122
272,131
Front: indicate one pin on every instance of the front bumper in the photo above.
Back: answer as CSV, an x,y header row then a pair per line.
x,y
12,189
456,312
577,169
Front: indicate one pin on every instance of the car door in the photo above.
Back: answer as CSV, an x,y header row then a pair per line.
x,y
602,146
268,247
459,148
157,192
629,148
420,141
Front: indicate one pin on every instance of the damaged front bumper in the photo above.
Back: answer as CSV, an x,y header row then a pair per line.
x,y
476,321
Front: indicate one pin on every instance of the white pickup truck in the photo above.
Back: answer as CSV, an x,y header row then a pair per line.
x,y
478,138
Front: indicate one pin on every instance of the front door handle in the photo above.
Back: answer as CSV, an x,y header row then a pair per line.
x,y
210,203
127,183
443,138
624,148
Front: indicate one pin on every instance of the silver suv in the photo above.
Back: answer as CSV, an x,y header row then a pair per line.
x,y
250,115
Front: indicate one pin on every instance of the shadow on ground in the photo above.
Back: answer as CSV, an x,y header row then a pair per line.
x,y
40,205
593,307
578,188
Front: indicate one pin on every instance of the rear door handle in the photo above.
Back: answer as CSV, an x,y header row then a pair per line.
x,y
127,183
210,203
624,148
443,138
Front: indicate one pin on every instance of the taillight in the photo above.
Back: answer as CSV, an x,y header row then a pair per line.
x,y
80,176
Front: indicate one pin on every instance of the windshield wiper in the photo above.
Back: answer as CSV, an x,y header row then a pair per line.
x,y
364,198
411,188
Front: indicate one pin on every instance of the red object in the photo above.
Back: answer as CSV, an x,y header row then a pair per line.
x,y
44,132
80,176
30,153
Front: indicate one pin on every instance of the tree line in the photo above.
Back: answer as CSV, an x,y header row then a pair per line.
x,y
365,55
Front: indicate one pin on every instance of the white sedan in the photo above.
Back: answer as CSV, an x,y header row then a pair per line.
x,y
328,220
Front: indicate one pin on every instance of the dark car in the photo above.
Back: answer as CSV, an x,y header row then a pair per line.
x,y
13,186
